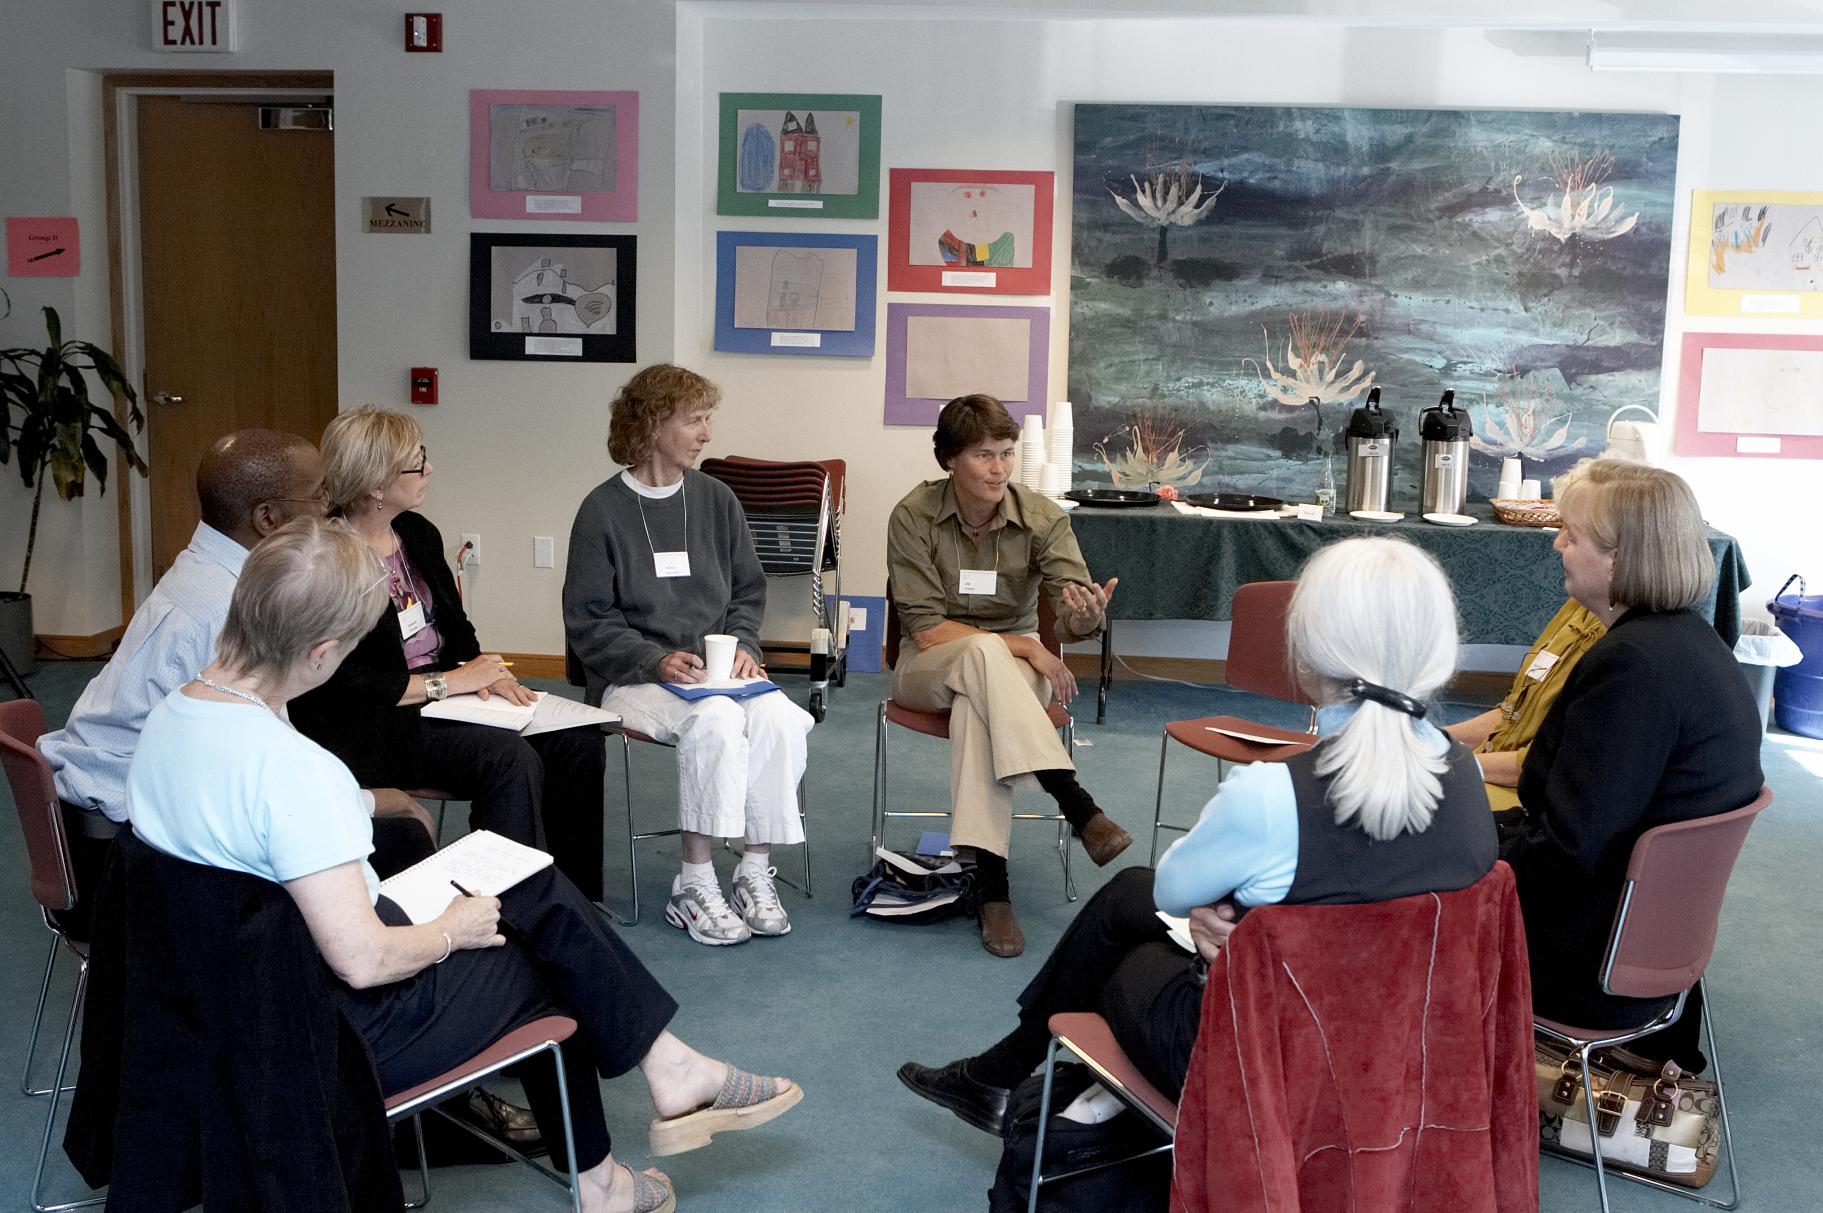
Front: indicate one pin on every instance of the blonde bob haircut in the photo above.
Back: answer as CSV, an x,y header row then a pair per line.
x,y
311,580
364,450
1650,520
1379,610
646,402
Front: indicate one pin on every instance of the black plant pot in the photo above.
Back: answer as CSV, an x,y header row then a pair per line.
x,y
16,631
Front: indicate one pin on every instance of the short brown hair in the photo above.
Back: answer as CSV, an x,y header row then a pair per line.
x,y
967,420
364,450
1650,520
312,579
646,402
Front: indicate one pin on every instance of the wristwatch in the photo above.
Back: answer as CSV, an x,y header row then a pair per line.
x,y
436,686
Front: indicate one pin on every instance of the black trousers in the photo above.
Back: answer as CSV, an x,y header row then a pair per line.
x,y
1117,959
561,958
544,791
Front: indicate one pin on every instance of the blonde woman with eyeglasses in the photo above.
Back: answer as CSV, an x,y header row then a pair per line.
x,y
544,791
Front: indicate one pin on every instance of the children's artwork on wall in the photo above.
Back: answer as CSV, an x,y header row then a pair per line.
x,y
1230,264
551,298
936,352
808,155
953,230
1751,394
553,155
1755,253
795,293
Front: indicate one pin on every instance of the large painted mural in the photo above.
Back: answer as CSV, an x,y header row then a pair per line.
x,y
1242,277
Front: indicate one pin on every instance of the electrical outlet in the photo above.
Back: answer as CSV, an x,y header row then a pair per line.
x,y
544,552
473,541
857,619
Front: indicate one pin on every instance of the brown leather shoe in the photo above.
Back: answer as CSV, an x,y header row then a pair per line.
x,y
1000,933
1102,840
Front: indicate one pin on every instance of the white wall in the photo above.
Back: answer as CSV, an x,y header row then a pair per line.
x,y
516,445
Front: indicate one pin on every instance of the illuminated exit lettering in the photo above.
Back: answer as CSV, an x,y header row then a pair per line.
x,y
193,25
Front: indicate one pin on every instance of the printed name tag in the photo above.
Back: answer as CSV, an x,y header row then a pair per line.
x,y
1309,513
979,581
670,564
1541,665
411,620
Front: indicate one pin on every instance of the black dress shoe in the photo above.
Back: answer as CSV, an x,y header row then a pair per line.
x,y
975,1102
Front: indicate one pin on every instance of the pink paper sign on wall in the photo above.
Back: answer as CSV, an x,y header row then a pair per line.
x,y
42,248
553,155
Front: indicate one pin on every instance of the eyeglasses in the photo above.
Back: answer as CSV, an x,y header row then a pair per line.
x,y
423,464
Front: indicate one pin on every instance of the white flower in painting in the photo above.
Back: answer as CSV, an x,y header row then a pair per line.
x,y
1167,200
1316,352
1525,418
1154,455
1583,207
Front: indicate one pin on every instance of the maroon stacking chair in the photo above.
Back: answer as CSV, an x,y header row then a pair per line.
x,y
522,1043
577,677
1258,661
936,724
1088,1036
794,513
1663,937
53,880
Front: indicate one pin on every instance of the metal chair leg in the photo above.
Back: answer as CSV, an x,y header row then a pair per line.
x,y
1158,802
626,768
50,1115
31,1049
1721,1100
879,817
417,1124
569,1130
1588,1095
1069,881
804,825
1044,1120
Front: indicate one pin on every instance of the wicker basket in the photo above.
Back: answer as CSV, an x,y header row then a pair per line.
x,y
1527,511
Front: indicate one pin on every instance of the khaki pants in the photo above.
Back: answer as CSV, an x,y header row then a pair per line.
x,y
999,732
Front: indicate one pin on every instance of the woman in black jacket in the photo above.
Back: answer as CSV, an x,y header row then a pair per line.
x,y
1655,725
544,791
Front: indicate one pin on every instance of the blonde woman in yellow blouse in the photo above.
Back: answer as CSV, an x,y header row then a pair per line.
x,y
1501,736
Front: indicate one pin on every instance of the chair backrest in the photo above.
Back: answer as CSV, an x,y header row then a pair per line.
x,y
47,848
1047,626
1664,930
1259,658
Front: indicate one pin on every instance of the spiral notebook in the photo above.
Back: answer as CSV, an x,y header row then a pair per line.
x,y
483,862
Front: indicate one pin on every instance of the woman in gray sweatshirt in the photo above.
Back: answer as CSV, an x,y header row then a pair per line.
x,y
660,556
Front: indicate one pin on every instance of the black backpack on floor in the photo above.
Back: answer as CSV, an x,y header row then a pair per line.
x,y
1140,1186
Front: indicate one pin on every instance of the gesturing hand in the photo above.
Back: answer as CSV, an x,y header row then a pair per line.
x,y
682,668
1087,604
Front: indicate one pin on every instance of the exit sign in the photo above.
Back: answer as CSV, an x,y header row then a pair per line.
x,y
193,25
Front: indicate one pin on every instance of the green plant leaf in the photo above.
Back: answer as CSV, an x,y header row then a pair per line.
x,y
53,326
97,462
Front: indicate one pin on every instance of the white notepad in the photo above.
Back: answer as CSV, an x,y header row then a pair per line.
x,y
1179,929
1257,738
483,862
546,715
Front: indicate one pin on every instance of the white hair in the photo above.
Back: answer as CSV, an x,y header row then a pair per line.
x,y
1379,610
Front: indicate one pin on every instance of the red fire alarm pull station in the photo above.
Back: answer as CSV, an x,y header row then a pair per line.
x,y
424,385
423,32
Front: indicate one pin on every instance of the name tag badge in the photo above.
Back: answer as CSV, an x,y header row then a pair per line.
x,y
411,620
670,564
985,582
1541,666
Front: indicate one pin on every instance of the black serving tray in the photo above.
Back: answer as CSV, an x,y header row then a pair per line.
x,y
1239,503
1117,498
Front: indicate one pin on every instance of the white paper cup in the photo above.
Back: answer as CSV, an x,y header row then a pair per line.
x,y
1511,469
1062,414
1528,489
718,656
1034,426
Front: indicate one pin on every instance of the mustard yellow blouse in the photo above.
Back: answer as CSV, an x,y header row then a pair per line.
x,y
1541,676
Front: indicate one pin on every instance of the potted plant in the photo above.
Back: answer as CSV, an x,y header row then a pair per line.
x,y
50,422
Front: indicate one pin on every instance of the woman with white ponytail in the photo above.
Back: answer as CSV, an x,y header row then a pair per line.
x,y
1384,806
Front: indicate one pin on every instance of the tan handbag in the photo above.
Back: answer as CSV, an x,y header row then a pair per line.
x,y
1666,1125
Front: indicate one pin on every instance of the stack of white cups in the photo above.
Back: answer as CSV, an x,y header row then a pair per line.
x,y
1031,451
1510,475
1060,443
1054,480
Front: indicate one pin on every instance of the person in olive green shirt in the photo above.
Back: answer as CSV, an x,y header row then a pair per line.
x,y
967,557
1501,736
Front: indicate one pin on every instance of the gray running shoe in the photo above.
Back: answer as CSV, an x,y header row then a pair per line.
x,y
703,911
757,900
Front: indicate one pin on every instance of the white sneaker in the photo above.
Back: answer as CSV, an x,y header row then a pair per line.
x,y
757,900
702,910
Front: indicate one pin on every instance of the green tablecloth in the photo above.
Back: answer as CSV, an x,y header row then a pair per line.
x,y
1508,581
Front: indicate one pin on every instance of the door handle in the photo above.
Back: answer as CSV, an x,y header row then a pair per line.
x,y
166,398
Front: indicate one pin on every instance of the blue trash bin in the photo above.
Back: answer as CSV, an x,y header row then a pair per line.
x,y
1798,689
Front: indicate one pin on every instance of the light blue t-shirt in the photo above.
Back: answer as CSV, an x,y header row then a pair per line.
x,y
232,786
1245,844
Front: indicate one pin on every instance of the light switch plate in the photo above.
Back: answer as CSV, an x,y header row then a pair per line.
x,y
544,553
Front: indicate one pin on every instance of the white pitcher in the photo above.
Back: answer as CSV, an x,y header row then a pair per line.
x,y
1636,441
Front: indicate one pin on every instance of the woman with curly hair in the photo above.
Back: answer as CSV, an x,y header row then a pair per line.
x,y
660,556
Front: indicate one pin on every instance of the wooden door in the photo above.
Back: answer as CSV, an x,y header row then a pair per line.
x,y
237,238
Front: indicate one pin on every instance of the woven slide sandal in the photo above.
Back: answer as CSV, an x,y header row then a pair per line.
x,y
652,1192
744,1102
